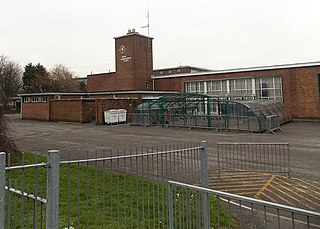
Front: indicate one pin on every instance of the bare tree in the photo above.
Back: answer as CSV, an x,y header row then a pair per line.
x,y
63,80
7,145
10,79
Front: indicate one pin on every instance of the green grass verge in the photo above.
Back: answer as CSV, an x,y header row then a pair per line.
x,y
94,197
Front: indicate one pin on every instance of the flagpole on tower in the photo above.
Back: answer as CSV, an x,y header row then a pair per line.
x,y
148,24
148,50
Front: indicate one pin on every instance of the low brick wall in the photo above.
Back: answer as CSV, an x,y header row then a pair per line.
x,y
102,105
72,110
36,111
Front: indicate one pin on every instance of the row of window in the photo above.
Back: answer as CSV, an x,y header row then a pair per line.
x,y
262,87
168,72
35,99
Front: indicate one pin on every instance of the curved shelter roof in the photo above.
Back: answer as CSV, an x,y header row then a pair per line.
x,y
194,107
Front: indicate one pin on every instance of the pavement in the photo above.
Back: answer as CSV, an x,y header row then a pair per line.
x,y
30,135
302,190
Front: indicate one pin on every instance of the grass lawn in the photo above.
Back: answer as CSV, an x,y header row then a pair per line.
x,y
94,197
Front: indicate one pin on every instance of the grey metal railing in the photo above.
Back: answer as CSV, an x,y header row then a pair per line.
x,y
216,122
132,193
226,210
254,157
272,123
101,188
24,200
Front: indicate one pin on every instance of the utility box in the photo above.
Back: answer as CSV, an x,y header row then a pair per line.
x,y
122,115
111,116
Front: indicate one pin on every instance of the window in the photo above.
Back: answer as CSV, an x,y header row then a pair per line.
x,y
241,87
44,99
217,87
262,87
25,99
269,88
35,99
194,87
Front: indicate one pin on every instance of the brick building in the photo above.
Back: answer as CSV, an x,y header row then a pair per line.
x,y
297,85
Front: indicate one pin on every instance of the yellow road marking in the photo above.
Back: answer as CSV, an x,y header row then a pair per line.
x,y
269,197
265,186
284,193
245,179
280,197
232,174
307,183
303,198
246,193
238,189
236,184
301,190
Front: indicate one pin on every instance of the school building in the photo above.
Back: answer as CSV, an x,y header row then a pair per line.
x,y
296,85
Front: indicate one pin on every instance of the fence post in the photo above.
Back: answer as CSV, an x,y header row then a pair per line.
x,y
218,153
2,187
170,205
289,165
204,179
52,217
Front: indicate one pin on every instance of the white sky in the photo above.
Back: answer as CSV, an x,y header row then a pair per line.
x,y
214,34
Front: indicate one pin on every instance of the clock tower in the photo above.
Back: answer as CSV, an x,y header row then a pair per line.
x,y
134,66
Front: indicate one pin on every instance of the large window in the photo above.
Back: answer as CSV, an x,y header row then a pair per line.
x,y
195,87
217,87
241,87
261,87
269,88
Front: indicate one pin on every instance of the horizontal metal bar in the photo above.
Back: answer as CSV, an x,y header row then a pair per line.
x,y
127,156
28,195
249,170
43,164
268,213
248,199
255,143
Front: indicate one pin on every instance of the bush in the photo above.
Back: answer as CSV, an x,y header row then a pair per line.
x,y
7,145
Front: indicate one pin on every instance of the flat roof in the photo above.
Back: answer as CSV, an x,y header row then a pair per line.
x,y
95,93
235,70
133,33
180,67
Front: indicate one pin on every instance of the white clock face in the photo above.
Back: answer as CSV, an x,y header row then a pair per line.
x,y
122,49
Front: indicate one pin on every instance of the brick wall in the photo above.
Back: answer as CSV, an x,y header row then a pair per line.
x,y
36,111
72,110
133,66
108,104
300,87
69,110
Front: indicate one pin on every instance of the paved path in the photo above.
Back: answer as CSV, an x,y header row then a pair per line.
x,y
303,137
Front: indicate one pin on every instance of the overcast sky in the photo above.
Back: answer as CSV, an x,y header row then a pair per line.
x,y
214,34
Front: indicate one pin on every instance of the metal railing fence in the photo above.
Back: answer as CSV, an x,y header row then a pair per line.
x,y
26,197
225,210
104,188
272,123
216,122
132,192
254,157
